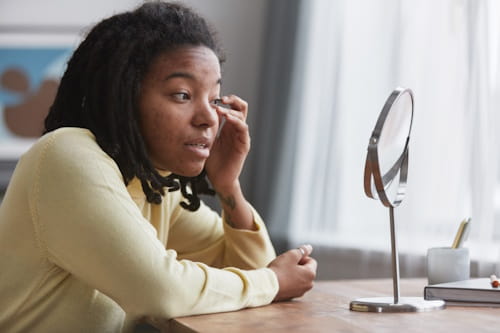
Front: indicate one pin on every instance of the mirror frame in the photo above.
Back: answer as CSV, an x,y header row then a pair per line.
x,y
372,166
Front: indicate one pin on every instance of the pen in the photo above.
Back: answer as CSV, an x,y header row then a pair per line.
x,y
462,233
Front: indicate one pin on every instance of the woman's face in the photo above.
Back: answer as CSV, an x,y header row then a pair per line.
x,y
178,120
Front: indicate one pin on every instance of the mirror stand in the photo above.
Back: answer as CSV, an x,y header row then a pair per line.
x,y
396,303
386,160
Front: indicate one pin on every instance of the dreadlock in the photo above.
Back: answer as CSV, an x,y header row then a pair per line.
x,y
100,89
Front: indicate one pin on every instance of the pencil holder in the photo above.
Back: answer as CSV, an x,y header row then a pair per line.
x,y
446,264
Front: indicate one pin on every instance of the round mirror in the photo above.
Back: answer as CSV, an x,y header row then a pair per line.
x,y
386,170
386,167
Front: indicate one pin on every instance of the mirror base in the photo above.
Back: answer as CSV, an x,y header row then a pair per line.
x,y
386,304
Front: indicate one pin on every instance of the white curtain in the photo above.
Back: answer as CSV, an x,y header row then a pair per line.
x,y
351,55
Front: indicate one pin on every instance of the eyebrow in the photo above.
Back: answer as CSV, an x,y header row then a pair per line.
x,y
186,76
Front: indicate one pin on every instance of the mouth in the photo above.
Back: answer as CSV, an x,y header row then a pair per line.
x,y
199,147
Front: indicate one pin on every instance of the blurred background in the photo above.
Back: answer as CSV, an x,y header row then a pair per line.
x,y
316,74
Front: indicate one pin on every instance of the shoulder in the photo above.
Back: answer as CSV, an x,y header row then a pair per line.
x,y
70,149
67,140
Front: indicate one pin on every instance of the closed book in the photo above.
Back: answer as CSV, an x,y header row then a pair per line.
x,y
474,292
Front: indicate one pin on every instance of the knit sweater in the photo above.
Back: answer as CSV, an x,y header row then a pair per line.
x,y
80,251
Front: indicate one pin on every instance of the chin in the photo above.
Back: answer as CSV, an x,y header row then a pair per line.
x,y
189,173
189,170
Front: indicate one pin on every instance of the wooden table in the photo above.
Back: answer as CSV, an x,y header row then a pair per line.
x,y
326,309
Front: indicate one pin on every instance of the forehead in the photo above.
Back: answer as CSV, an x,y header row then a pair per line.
x,y
196,62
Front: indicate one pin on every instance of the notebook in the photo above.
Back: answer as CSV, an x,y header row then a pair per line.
x,y
473,292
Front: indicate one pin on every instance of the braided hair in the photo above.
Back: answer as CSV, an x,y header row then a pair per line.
x,y
100,89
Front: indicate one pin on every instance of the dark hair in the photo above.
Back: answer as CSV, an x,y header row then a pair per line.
x,y
100,89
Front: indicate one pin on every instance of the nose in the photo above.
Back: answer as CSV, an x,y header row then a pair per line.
x,y
205,115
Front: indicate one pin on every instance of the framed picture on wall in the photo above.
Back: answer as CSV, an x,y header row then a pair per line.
x,y
32,61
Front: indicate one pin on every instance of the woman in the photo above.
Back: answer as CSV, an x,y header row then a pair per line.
x,y
101,226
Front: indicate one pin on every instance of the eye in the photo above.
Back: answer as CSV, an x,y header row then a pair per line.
x,y
217,102
181,96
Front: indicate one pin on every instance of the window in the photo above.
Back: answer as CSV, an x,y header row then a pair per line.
x,y
352,54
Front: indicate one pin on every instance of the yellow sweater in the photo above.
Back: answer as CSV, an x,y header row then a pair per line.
x,y
81,252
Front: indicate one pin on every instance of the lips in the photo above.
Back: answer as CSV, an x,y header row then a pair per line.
x,y
199,147
201,142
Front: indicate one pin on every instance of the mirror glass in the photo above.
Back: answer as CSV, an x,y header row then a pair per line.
x,y
387,158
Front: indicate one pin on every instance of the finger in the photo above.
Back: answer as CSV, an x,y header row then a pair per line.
x,y
310,263
302,252
236,103
306,260
235,130
305,250
221,111
234,119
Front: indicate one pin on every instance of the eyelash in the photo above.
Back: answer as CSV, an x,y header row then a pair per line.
x,y
217,101
181,95
185,96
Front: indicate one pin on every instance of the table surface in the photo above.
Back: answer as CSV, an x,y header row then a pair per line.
x,y
326,309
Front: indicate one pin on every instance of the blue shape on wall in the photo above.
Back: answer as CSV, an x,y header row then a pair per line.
x,y
28,82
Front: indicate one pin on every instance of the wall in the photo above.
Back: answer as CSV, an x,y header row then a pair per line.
x,y
240,24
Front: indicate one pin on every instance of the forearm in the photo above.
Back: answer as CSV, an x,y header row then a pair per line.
x,y
237,212
219,244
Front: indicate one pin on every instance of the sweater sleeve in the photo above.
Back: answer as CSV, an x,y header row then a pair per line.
x,y
216,243
88,225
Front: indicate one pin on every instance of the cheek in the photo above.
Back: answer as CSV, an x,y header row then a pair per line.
x,y
159,147
152,116
156,131
149,130
161,135
150,127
